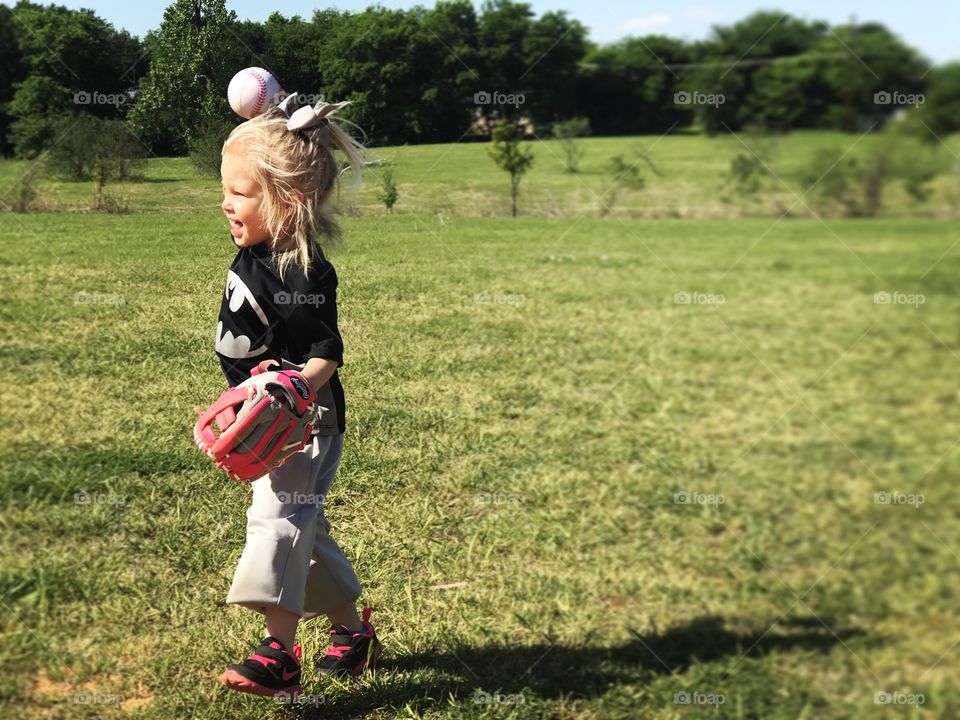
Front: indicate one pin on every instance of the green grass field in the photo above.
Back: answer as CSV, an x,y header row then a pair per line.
x,y
616,468
694,181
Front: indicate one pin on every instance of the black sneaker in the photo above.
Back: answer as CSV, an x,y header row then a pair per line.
x,y
350,653
270,671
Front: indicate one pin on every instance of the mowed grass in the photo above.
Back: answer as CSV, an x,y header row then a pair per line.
x,y
689,178
526,400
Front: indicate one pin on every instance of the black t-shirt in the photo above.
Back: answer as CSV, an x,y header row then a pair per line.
x,y
263,318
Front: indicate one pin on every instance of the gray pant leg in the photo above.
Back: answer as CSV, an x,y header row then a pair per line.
x,y
290,561
331,580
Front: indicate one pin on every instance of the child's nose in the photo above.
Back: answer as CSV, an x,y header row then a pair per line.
x,y
225,205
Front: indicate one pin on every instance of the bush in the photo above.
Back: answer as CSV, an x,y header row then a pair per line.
x,y
848,185
25,191
750,170
566,132
86,138
747,173
621,175
832,182
389,195
916,163
206,144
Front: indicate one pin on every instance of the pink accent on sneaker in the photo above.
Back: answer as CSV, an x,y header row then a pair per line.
x,y
296,655
336,650
263,660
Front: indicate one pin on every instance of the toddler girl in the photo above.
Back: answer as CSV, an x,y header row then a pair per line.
x,y
279,307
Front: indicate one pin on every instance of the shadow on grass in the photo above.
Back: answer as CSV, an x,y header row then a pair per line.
x,y
429,679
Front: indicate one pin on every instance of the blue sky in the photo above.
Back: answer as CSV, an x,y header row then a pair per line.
x,y
932,26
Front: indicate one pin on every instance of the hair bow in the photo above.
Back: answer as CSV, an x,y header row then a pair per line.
x,y
301,116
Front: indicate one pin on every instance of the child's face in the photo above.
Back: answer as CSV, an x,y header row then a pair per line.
x,y
242,199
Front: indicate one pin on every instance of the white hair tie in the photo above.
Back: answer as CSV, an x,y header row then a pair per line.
x,y
302,117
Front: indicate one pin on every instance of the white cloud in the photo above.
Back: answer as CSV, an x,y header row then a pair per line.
x,y
647,23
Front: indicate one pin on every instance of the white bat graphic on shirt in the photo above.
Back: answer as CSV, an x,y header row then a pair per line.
x,y
238,346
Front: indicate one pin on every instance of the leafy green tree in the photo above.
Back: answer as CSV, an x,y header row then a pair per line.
x,y
14,72
249,47
509,155
553,48
73,63
374,74
790,93
940,111
405,85
730,59
193,56
78,50
458,71
291,49
502,28
625,88
38,111
869,60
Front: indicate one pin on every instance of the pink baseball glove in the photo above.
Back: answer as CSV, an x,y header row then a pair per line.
x,y
257,425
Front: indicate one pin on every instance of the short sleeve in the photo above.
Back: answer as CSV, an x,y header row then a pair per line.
x,y
313,326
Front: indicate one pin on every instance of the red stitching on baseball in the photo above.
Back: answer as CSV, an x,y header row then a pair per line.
x,y
262,94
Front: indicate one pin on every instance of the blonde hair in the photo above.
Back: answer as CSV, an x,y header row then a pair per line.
x,y
297,172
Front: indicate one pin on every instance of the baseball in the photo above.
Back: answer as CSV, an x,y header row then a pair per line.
x,y
252,91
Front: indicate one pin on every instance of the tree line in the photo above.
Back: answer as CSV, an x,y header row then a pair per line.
x,y
428,75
